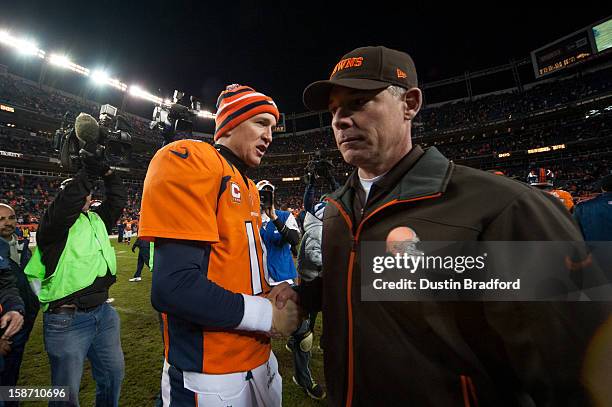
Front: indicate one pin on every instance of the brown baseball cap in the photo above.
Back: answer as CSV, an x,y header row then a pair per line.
x,y
365,68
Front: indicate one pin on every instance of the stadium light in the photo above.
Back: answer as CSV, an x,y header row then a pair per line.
x,y
64,62
206,114
117,84
137,91
22,46
99,77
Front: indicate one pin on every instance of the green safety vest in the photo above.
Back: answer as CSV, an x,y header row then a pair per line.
x,y
88,255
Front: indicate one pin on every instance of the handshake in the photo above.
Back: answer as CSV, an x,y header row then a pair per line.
x,y
286,314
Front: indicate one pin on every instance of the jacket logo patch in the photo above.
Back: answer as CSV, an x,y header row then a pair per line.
x,y
235,190
403,239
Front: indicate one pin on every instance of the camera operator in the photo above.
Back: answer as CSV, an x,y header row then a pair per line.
x,y
74,249
317,168
279,232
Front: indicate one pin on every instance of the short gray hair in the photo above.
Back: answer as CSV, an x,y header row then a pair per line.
x,y
397,91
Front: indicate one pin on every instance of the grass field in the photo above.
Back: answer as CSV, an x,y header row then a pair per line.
x,y
142,347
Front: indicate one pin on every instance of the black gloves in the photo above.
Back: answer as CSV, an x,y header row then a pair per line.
x,y
94,167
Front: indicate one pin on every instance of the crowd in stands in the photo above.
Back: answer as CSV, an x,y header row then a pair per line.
x,y
508,105
24,93
307,143
554,132
25,142
51,103
31,195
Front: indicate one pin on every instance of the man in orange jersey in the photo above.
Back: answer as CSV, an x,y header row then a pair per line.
x,y
210,277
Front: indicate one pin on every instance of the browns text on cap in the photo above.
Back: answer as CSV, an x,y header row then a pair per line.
x,y
365,68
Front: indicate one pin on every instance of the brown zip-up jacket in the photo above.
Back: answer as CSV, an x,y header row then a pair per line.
x,y
445,353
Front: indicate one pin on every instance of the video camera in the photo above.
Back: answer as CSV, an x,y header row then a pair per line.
x,y
108,139
317,167
174,117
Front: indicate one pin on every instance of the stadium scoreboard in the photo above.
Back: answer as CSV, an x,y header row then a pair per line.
x,y
280,125
572,48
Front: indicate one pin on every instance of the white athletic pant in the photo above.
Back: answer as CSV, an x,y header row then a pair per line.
x,y
261,387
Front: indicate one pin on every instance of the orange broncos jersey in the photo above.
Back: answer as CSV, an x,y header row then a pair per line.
x,y
192,193
565,197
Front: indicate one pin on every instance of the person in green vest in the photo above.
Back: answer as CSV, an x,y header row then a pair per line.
x,y
71,273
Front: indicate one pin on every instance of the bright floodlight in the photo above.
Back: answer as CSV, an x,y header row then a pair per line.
x,y
100,77
60,60
206,114
27,47
22,46
64,62
137,91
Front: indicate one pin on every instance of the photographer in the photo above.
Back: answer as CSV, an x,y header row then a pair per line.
x,y
72,271
317,168
279,232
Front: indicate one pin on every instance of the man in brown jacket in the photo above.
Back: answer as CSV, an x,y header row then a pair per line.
x,y
430,353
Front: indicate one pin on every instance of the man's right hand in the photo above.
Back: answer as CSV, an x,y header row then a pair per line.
x,y
285,321
281,293
12,321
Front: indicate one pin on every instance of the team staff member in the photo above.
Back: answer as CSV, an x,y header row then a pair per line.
x,y
279,233
144,252
72,270
440,353
210,274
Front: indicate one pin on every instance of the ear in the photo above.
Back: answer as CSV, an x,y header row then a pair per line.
x,y
224,138
414,99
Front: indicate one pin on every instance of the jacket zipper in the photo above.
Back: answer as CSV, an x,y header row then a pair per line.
x,y
355,239
468,389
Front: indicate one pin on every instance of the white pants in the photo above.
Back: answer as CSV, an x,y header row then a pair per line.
x,y
261,387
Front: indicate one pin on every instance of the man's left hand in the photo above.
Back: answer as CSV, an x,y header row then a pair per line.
x,y
13,321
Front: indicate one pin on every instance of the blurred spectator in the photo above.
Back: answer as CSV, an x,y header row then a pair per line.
x,y
595,215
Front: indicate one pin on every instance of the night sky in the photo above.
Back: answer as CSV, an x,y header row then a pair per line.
x,y
279,48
